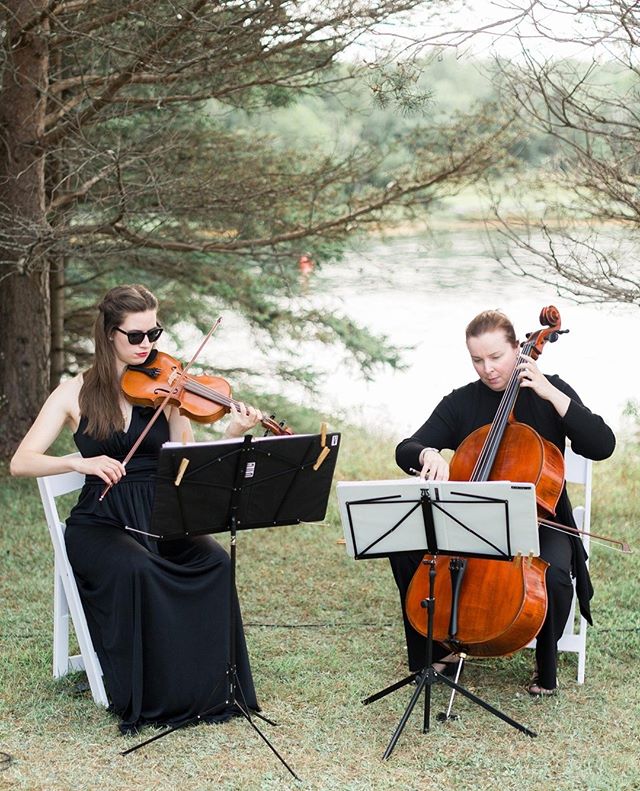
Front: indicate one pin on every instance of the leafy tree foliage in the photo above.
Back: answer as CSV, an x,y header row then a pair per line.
x,y
119,164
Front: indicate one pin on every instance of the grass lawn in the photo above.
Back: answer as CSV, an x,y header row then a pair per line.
x,y
323,632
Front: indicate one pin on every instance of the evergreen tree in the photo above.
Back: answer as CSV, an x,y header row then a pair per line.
x,y
118,164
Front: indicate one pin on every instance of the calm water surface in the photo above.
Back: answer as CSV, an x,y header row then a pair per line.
x,y
421,292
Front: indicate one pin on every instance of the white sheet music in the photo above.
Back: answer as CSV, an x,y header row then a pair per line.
x,y
466,518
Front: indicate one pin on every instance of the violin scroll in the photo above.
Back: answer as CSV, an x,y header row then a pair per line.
x,y
275,428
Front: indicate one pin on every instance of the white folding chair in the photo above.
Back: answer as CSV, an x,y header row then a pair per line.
x,y
577,469
66,599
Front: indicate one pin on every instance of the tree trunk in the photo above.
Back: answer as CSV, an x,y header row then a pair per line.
x,y
56,281
24,284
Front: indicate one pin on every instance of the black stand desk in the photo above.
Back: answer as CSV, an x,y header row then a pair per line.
x,y
236,485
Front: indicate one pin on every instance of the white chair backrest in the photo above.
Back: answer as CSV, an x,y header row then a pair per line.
x,y
52,486
579,470
66,599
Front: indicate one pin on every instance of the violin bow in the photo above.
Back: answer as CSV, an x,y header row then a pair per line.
x,y
622,545
176,386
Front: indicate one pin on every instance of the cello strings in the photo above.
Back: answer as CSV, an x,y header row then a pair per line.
x,y
485,460
502,415
482,468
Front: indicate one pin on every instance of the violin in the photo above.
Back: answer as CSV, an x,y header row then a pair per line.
x,y
493,607
202,398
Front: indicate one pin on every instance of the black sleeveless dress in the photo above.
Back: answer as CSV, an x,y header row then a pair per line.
x,y
158,611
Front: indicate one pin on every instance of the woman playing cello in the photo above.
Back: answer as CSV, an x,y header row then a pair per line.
x,y
157,611
551,407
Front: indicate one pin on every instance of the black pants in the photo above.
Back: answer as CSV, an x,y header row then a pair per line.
x,y
557,549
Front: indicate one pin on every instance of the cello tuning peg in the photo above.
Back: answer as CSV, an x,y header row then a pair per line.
x,y
555,335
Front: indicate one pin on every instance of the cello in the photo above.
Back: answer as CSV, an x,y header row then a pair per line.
x,y
493,608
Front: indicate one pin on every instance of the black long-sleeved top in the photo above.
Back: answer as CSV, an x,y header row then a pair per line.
x,y
475,405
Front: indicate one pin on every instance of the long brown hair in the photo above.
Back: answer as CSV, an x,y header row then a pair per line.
x,y
100,392
490,320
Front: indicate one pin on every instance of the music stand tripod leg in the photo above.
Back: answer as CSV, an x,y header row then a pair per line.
x,y
430,604
426,678
391,688
491,709
234,682
429,676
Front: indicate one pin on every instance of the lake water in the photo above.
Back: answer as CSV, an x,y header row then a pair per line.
x,y
421,292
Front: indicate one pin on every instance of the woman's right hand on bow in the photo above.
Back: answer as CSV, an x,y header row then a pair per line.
x,y
110,470
434,466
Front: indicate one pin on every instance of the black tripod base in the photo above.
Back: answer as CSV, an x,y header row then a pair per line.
x,y
424,680
240,707
391,688
249,719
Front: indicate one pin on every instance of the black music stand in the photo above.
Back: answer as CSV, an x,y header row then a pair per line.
x,y
440,509
235,485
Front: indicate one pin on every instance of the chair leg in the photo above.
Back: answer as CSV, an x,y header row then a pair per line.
x,y
60,627
66,599
582,652
90,658
67,604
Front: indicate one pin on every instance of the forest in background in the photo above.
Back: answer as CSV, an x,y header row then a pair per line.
x,y
381,109
202,150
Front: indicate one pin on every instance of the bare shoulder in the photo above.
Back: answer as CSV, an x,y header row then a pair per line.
x,y
66,399
59,410
69,388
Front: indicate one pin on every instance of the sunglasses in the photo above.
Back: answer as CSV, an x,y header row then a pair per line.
x,y
136,337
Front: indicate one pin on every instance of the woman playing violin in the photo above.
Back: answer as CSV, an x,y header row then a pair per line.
x,y
157,611
551,407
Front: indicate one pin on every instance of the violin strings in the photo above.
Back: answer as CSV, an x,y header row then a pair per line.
x,y
193,386
208,392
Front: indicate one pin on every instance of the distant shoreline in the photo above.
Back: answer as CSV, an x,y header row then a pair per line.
x,y
451,222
